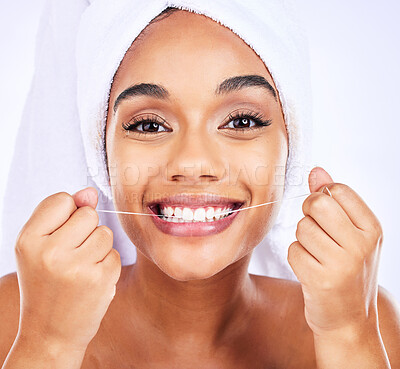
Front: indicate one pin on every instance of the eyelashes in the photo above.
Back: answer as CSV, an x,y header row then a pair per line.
x,y
242,122
148,123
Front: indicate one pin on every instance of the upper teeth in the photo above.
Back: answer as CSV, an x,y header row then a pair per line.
x,y
207,214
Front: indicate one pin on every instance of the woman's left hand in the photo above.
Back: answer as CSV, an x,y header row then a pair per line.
x,y
336,257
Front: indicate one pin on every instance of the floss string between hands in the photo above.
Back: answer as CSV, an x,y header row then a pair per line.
x,y
222,213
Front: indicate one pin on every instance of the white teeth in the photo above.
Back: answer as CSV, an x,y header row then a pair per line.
x,y
199,214
170,211
178,212
210,213
187,215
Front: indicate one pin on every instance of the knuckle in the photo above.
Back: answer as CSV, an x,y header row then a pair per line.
x,y
116,256
299,229
19,250
72,273
360,252
376,231
103,237
59,199
64,197
115,260
373,237
318,203
89,213
106,232
300,225
24,242
298,232
338,188
292,251
325,284
315,204
303,224
111,261
50,258
117,264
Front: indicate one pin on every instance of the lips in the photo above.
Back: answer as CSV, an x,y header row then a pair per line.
x,y
182,225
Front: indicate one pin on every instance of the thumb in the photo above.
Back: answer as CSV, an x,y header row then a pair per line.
x,y
318,179
86,197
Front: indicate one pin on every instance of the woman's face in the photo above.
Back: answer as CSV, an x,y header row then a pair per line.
x,y
190,146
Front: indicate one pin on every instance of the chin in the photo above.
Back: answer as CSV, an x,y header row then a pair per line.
x,y
186,263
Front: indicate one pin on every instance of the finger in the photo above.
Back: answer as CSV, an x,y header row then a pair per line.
x,y
304,265
331,217
356,209
77,228
316,241
317,178
112,265
50,214
97,245
86,197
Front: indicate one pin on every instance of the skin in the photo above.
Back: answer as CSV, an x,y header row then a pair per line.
x,y
191,300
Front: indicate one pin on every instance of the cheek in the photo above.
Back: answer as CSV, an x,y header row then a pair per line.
x,y
260,163
132,167
266,163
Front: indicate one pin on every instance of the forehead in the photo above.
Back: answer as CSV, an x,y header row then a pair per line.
x,y
185,50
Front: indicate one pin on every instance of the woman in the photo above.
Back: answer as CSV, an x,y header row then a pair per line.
x,y
188,301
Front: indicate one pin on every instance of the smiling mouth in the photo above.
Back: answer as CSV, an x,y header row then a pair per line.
x,y
184,214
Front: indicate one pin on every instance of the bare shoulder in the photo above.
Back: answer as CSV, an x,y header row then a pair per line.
x,y
283,313
9,313
389,325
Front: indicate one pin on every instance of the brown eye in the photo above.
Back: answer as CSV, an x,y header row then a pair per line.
x,y
143,126
246,121
241,122
149,127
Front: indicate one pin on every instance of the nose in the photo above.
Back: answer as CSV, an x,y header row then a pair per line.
x,y
195,160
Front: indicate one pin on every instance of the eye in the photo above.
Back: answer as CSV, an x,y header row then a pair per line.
x,y
145,125
246,121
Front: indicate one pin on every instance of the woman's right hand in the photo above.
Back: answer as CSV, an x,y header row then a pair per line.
x,y
67,270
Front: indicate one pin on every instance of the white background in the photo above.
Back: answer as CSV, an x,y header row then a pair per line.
x,y
355,61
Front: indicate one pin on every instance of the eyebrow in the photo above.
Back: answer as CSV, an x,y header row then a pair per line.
x,y
228,85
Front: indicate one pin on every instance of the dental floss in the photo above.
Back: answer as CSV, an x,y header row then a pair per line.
x,y
249,207
329,192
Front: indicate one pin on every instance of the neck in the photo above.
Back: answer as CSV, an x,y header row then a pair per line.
x,y
203,311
